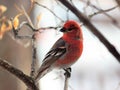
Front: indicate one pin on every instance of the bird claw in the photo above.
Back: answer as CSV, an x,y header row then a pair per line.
x,y
68,72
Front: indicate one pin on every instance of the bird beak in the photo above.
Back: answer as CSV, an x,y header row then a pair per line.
x,y
63,29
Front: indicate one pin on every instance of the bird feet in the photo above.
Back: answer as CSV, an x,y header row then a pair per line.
x,y
68,72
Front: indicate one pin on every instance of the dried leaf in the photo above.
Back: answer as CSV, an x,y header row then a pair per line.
x,y
38,19
9,27
16,21
2,9
2,30
5,26
1,35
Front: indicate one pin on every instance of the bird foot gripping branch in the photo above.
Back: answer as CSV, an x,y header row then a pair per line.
x,y
68,72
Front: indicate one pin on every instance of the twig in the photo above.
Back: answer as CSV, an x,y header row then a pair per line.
x,y
28,18
118,2
19,74
66,82
16,31
93,29
101,11
24,37
42,28
115,22
47,28
33,65
33,68
49,10
67,77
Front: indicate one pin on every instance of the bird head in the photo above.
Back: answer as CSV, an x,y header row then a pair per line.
x,y
72,29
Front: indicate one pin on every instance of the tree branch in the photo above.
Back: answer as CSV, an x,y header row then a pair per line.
x,y
114,21
34,59
93,29
19,74
66,82
103,11
67,77
118,2
49,11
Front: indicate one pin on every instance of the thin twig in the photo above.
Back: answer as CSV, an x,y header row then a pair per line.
x,y
33,65
67,77
24,37
114,21
19,74
47,28
33,29
28,18
66,82
118,2
16,31
93,29
101,11
42,28
49,10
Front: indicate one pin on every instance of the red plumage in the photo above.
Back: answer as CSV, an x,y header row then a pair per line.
x,y
65,51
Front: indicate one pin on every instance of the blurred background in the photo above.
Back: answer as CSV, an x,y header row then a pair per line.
x,y
14,50
97,69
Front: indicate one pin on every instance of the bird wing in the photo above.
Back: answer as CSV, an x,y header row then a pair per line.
x,y
58,49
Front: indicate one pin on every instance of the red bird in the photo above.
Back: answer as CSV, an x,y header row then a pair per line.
x,y
66,51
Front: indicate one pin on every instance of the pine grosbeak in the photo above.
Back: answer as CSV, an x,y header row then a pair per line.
x,y
66,51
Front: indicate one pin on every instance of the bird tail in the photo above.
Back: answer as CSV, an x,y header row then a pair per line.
x,y
42,72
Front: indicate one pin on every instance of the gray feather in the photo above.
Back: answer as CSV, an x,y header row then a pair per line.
x,y
54,54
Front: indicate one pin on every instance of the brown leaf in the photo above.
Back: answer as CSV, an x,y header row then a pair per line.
x,y
16,21
2,9
5,26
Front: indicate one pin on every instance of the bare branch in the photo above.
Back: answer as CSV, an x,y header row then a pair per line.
x,y
49,10
34,59
118,2
24,37
93,29
28,18
47,28
19,74
114,21
103,11
16,31
66,82
34,30
67,77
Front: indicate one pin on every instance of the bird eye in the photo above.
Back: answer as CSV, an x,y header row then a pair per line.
x,y
71,27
